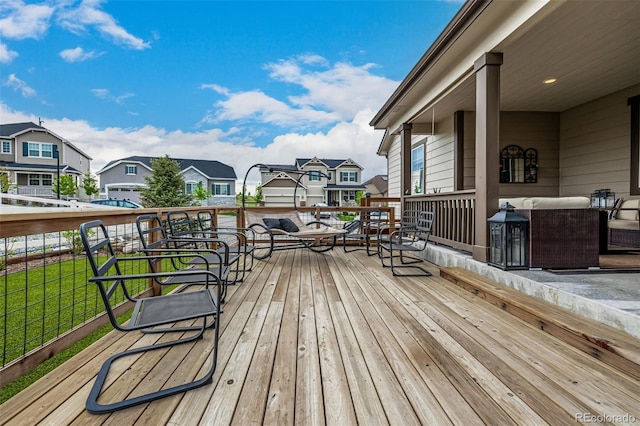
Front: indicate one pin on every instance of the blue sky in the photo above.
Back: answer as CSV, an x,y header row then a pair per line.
x,y
235,81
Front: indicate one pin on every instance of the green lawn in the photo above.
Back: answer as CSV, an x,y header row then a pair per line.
x,y
43,303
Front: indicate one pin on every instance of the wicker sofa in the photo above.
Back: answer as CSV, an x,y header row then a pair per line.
x,y
563,231
624,224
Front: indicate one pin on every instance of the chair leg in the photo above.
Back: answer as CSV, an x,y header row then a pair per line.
x,y
410,264
94,407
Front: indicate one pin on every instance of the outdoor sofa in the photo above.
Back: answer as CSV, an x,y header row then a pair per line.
x,y
563,231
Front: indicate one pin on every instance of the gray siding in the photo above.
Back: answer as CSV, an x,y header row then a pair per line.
x,y
595,145
439,164
117,175
36,137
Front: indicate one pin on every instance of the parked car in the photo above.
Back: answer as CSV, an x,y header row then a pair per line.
x,y
323,214
384,216
118,203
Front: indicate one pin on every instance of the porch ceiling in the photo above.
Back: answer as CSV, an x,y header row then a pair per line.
x,y
592,48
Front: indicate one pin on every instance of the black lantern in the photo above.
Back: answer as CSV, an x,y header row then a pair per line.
x,y
602,198
509,239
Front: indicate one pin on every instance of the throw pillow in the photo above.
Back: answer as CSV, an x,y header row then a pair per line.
x,y
272,223
288,225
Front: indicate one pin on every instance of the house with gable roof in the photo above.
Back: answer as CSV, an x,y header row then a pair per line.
x,y
310,181
517,99
34,157
377,186
123,179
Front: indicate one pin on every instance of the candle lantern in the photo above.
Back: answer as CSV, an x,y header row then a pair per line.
x,y
509,239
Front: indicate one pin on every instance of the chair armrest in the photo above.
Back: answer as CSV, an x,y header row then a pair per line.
x,y
182,252
185,272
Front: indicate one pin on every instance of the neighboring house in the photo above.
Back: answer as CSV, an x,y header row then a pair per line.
x,y
34,157
123,179
377,187
516,98
312,180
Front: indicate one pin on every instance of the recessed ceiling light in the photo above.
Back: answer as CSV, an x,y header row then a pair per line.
x,y
550,80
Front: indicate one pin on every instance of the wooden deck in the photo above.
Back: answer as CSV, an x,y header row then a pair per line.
x,y
334,339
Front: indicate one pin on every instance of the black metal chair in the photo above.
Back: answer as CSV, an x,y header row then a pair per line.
x,y
408,219
241,239
363,230
156,242
405,244
148,312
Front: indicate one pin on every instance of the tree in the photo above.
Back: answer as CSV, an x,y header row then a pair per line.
x,y
66,184
258,196
201,193
89,184
5,183
165,186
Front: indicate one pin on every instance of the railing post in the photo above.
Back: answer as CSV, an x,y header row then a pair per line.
x,y
156,290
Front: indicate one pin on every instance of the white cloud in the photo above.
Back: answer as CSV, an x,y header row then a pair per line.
x,y
78,54
330,94
105,94
216,88
344,89
19,20
6,55
89,15
16,84
258,107
354,139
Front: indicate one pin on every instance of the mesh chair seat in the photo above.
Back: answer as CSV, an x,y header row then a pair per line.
x,y
154,311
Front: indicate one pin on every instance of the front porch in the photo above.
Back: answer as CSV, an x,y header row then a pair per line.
x,y
334,339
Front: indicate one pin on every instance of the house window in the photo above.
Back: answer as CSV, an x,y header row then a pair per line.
x,y
221,189
417,170
40,180
6,147
349,195
46,150
314,176
190,187
348,176
34,150
37,149
131,170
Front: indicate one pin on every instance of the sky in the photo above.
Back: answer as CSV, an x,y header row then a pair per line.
x,y
240,82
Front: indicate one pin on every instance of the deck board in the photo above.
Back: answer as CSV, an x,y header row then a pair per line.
x,y
334,339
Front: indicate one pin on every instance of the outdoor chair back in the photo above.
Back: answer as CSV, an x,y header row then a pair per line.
x,y
185,233
363,230
244,238
155,242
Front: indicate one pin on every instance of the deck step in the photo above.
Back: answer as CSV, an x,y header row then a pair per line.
x,y
611,346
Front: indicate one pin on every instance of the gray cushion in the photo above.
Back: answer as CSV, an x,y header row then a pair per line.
x,y
288,225
272,223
